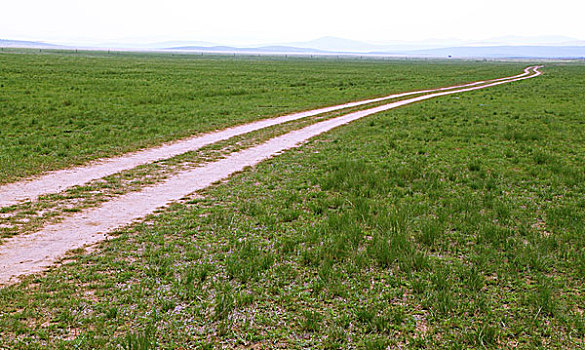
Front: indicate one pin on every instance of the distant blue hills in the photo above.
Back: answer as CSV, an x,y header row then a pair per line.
x,y
28,44
261,49
501,52
498,48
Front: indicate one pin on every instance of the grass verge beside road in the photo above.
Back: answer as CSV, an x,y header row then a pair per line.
x,y
60,109
453,223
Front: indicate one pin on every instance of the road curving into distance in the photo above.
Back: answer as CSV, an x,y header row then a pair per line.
x,y
57,181
27,254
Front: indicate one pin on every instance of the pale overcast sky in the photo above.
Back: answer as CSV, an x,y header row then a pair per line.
x,y
265,21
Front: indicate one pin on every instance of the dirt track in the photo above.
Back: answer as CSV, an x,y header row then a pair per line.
x,y
60,180
32,253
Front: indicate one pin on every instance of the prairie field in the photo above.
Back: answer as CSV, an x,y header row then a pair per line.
x,y
64,108
453,223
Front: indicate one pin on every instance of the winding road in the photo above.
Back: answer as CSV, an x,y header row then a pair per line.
x,y
32,253
57,181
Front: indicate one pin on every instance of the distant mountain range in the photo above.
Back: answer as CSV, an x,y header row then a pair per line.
x,y
495,48
500,52
28,44
243,50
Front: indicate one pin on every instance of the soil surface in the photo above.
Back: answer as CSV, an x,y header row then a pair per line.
x,y
26,254
57,181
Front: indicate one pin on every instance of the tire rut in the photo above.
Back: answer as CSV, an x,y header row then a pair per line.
x,y
26,254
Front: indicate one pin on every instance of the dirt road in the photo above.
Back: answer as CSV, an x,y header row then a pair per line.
x,y
57,181
32,253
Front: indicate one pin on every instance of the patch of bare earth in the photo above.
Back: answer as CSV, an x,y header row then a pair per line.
x,y
27,254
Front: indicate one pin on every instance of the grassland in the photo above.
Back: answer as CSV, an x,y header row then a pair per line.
x,y
454,223
31,216
64,108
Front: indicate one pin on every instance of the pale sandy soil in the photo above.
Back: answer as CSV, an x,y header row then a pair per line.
x,y
57,181
26,254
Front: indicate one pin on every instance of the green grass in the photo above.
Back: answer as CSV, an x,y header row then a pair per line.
x,y
449,224
64,108
31,216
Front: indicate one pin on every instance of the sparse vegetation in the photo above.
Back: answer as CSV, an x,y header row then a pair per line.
x,y
454,223
64,108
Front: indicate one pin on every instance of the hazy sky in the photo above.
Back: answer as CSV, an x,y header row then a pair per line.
x,y
264,21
